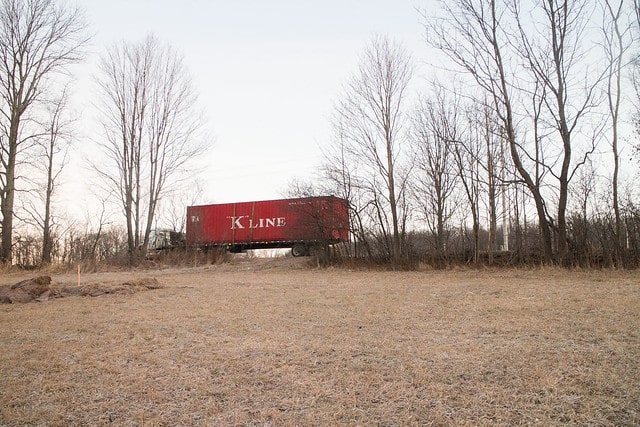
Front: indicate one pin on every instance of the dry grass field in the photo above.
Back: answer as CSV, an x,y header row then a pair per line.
x,y
260,342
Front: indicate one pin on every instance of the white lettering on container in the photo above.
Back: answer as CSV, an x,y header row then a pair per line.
x,y
235,222
241,222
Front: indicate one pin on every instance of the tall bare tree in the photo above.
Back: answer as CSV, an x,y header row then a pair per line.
x,y
494,175
617,39
151,126
49,158
468,150
471,35
476,155
372,118
541,58
557,59
635,78
435,131
38,39
55,149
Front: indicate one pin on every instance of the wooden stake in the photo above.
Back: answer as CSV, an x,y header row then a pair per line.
x,y
78,275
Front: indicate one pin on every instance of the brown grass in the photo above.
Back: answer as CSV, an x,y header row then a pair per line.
x,y
253,343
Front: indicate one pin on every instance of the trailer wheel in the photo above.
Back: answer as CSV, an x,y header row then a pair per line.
x,y
299,250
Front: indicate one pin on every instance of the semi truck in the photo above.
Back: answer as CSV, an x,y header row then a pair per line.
x,y
298,223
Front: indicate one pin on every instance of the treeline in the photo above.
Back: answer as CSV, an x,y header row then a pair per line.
x,y
149,129
74,248
519,147
514,148
591,246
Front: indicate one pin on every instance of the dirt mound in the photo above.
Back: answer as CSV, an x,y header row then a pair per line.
x,y
26,290
41,289
97,289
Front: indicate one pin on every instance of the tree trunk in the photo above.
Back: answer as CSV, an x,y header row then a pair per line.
x,y
8,195
46,227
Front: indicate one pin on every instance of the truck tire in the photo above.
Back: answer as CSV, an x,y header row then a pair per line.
x,y
299,249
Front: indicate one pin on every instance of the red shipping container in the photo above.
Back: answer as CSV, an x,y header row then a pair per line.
x,y
269,223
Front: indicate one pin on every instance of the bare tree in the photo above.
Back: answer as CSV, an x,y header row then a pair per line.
x,y
471,35
493,43
616,32
467,149
558,62
53,147
477,155
125,71
494,175
435,131
151,127
583,192
371,117
635,80
38,39
341,178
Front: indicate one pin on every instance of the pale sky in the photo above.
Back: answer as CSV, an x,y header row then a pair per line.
x,y
267,74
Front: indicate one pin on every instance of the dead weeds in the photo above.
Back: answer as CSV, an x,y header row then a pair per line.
x,y
280,346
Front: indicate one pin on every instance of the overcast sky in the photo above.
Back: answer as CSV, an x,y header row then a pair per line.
x,y
267,74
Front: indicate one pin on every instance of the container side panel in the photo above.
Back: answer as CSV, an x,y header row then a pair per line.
x,y
210,224
271,221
